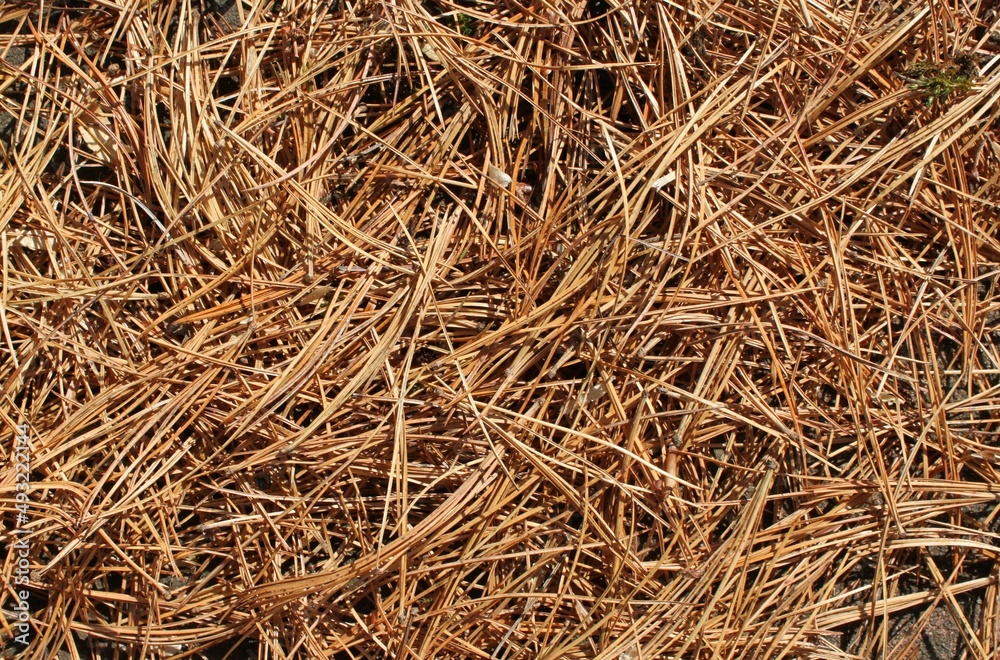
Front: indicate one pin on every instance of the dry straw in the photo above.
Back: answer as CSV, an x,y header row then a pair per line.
x,y
490,330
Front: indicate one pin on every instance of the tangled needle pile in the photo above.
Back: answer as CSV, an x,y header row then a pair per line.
x,y
569,329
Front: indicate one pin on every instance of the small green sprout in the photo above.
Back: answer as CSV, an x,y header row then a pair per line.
x,y
939,81
465,24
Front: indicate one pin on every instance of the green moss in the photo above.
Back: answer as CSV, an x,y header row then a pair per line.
x,y
939,81
465,24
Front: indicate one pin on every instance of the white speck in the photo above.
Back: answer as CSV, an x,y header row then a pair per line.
x,y
498,177
663,180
